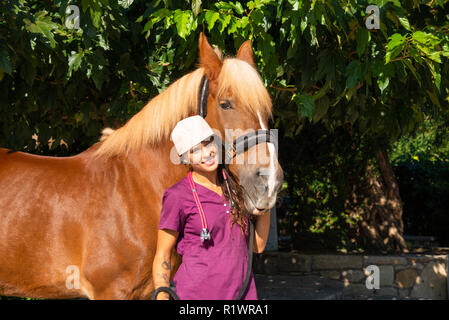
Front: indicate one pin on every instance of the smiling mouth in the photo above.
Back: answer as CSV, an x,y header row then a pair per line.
x,y
209,160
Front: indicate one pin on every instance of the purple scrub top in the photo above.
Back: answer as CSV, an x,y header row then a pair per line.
x,y
214,269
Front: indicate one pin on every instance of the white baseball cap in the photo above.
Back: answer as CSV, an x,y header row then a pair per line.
x,y
189,132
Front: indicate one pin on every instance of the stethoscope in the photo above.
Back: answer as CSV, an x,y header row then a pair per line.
x,y
205,233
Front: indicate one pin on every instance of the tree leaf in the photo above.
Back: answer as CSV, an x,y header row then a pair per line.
x,y
408,63
405,23
395,41
434,98
435,56
182,19
98,77
353,73
305,104
321,107
211,17
75,60
196,7
424,37
383,81
43,25
125,3
238,8
394,46
362,37
224,20
232,26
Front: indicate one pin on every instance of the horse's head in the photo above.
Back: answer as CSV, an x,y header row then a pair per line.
x,y
237,104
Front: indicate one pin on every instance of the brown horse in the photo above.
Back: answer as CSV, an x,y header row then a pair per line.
x,y
85,226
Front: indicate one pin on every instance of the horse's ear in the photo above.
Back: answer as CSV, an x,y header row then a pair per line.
x,y
245,53
208,58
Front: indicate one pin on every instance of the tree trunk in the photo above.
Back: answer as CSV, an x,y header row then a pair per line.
x,y
381,226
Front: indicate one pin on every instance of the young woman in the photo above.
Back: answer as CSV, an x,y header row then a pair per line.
x,y
211,237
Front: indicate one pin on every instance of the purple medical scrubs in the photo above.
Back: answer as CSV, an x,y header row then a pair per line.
x,y
214,269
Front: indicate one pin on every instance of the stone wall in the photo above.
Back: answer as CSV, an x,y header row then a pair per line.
x,y
402,276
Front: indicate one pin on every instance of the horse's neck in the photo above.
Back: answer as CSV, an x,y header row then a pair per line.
x,y
154,166
150,167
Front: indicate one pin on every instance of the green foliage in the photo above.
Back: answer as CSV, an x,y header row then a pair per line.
x,y
317,57
430,144
67,84
321,169
421,164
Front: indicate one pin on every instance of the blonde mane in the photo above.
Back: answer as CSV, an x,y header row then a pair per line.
x,y
154,123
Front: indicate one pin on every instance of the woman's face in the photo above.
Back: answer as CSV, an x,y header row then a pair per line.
x,y
204,156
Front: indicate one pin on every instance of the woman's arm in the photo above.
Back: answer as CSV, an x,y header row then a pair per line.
x,y
262,227
166,240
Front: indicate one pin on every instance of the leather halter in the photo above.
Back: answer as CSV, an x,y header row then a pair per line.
x,y
203,95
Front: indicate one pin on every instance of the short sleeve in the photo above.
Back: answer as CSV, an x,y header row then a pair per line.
x,y
171,212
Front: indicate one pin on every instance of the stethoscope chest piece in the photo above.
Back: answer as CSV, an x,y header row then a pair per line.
x,y
205,233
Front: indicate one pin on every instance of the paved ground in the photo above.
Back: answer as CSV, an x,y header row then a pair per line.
x,y
310,287
295,287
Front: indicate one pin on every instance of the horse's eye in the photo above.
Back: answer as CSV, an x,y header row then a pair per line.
x,y
226,105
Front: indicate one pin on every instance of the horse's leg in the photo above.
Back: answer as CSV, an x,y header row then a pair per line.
x,y
108,294
121,289
125,283
115,290
131,285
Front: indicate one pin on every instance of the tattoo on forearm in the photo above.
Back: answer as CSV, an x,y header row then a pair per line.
x,y
166,265
162,278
